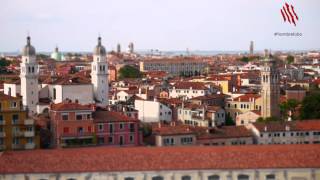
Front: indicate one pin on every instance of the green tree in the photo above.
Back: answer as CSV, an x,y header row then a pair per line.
x,y
3,65
268,119
287,106
129,72
290,59
245,59
311,106
229,121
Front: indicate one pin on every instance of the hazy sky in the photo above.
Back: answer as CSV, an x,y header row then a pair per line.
x,y
157,24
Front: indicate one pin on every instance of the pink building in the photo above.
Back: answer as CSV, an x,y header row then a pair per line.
x,y
72,124
114,129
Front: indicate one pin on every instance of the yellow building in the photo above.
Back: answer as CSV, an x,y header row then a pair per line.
x,y
17,131
243,104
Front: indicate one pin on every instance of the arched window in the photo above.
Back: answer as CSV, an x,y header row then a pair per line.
x,y
129,178
214,177
185,178
270,177
243,177
157,178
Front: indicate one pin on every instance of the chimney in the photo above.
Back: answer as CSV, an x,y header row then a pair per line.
x,y
159,125
265,128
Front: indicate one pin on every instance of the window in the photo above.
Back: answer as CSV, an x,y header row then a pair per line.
x,y
121,126
100,140
15,141
88,116
13,104
65,117
121,140
15,118
100,127
270,177
185,178
30,140
79,117
110,140
243,177
111,128
157,178
1,119
131,138
214,177
80,130
131,127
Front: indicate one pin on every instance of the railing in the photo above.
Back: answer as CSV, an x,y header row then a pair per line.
x,y
17,133
77,134
2,147
29,133
29,146
28,122
17,146
2,134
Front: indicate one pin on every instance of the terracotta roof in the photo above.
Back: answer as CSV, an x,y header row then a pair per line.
x,y
69,106
304,125
106,159
168,130
247,97
67,80
227,132
7,97
188,85
110,116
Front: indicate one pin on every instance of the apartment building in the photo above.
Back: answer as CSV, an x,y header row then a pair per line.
x,y
201,115
188,90
292,132
72,124
17,130
242,104
175,66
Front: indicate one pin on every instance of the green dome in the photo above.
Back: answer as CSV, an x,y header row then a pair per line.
x,y
56,55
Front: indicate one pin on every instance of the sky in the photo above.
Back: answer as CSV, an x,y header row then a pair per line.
x,y
226,25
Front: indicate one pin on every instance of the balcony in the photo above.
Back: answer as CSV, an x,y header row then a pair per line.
x,y
17,133
29,134
2,147
2,134
29,146
17,146
77,135
29,122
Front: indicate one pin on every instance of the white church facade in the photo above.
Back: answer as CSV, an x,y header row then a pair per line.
x,y
57,89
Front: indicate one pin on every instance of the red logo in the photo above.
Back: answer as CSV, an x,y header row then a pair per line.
x,y
289,14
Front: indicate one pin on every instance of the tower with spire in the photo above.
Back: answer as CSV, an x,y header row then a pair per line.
x,y
270,89
29,77
99,74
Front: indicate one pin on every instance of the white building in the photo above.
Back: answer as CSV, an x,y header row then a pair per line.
x,y
188,90
152,111
201,115
293,132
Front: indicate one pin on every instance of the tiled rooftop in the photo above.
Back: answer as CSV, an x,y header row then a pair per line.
x,y
105,159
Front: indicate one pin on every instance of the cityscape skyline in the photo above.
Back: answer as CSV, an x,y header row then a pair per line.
x,y
167,26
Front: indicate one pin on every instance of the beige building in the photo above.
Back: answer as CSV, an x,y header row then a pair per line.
x,y
175,66
248,117
296,162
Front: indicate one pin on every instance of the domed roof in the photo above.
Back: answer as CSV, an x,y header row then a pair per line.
x,y
28,49
99,49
